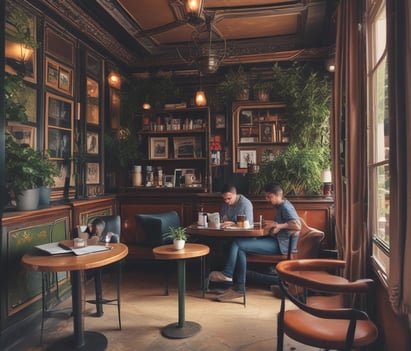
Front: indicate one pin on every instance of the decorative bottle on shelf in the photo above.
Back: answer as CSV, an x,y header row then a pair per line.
x,y
159,176
136,176
149,176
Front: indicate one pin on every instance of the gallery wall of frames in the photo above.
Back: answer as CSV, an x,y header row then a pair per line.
x,y
62,89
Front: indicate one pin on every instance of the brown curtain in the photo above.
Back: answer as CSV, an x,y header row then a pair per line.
x,y
348,131
399,88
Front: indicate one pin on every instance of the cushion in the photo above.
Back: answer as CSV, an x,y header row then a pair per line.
x,y
157,226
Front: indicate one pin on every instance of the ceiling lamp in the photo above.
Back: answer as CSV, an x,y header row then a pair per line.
x,y
207,51
201,99
194,9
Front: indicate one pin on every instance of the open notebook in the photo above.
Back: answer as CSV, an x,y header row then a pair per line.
x,y
58,249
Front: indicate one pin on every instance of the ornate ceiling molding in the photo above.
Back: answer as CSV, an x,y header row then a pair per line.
x,y
73,14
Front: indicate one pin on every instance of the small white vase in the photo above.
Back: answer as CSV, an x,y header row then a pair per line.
x,y
179,244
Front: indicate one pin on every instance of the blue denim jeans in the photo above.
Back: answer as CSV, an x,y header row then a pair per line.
x,y
237,258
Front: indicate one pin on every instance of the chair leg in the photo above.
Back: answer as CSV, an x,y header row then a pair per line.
x,y
99,293
118,293
280,329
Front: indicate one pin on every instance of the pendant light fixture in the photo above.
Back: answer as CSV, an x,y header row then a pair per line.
x,y
200,98
194,9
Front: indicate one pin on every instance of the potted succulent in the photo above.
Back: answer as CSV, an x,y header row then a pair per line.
x,y
26,171
179,236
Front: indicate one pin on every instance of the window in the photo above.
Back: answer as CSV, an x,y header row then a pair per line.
x,y
378,132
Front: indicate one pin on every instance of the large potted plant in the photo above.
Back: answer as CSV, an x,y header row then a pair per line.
x,y
299,168
26,171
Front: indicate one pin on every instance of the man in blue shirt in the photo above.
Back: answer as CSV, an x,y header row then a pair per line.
x,y
234,205
285,223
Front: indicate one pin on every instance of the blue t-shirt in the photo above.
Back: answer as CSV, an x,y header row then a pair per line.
x,y
242,207
286,212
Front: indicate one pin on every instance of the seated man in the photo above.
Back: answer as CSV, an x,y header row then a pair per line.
x,y
96,232
285,223
234,205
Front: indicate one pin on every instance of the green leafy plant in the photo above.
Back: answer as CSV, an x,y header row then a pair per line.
x,y
233,85
178,233
122,149
26,168
298,171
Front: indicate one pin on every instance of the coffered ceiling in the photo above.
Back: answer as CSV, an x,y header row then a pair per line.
x,y
155,34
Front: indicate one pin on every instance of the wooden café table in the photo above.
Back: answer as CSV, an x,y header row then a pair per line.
x,y
226,232
182,329
76,264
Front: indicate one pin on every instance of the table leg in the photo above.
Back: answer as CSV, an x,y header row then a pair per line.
x,y
90,341
182,329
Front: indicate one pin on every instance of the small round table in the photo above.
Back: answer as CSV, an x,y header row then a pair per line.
x,y
82,340
181,329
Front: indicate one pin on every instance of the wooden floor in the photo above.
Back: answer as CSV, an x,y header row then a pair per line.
x,y
145,310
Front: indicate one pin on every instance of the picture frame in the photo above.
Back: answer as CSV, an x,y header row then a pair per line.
x,y
266,132
58,143
184,147
92,142
92,173
246,157
59,111
59,77
92,106
177,177
158,148
27,96
65,80
52,73
168,179
61,179
219,121
22,134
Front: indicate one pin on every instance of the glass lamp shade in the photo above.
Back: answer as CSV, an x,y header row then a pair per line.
x,y
114,80
194,7
201,98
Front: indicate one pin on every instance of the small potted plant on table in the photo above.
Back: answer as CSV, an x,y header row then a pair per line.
x,y
179,236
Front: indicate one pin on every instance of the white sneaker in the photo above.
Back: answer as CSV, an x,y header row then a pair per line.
x,y
217,276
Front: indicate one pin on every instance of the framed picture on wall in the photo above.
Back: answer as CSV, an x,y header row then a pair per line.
x,y
158,148
92,142
59,111
65,80
246,157
22,134
92,173
58,143
59,76
184,147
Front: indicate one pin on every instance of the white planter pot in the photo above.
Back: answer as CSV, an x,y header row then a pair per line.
x,y
28,200
179,244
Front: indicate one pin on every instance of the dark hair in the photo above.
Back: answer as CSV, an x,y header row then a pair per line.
x,y
273,188
228,188
98,221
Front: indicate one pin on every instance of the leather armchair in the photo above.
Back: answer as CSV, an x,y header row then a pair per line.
x,y
319,325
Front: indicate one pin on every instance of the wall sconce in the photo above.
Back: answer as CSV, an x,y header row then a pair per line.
x,y
114,80
17,55
146,106
201,99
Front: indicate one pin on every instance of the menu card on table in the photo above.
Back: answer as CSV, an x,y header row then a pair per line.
x,y
58,249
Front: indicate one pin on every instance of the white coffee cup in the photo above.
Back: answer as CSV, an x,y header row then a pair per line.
x,y
189,179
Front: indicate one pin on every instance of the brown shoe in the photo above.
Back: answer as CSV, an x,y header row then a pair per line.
x,y
277,292
230,294
217,276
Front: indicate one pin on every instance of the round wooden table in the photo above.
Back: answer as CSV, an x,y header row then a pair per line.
x,y
181,329
76,264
